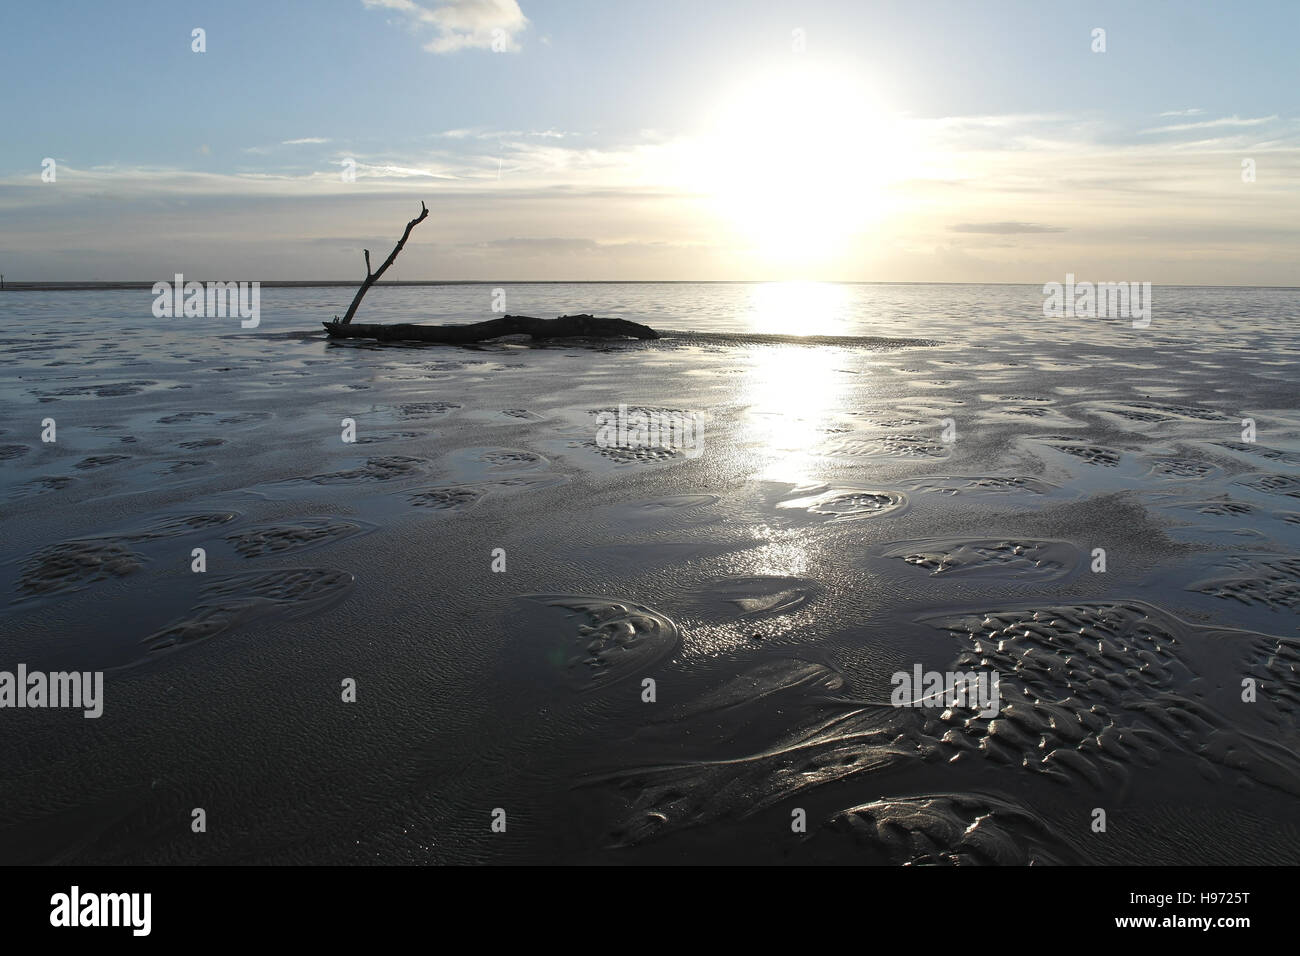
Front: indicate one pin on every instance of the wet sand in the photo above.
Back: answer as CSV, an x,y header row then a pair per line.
x,y
933,496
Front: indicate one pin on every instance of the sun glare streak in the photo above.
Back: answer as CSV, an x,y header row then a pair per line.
x,y
793,396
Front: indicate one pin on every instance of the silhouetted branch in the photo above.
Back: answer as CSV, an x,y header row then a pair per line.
x,y
373,277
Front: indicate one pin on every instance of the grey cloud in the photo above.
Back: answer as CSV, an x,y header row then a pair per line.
x,y
1003,228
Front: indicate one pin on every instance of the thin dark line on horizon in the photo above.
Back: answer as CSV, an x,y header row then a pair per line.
x,y
108,285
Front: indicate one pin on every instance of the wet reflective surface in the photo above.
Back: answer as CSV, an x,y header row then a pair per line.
x,y
1076,505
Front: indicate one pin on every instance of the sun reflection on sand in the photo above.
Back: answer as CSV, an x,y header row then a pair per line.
x,y
801,399
794,395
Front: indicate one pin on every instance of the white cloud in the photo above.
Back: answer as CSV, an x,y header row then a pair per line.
x,y
979,202
496,135
267,150
463,24
1212,124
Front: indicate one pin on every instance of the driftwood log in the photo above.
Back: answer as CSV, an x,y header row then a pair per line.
x,y
566,326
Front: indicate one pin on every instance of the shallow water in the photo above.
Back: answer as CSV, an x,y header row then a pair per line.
x,y
844,513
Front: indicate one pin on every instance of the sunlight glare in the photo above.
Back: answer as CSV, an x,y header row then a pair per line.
x,y
799,308
798,160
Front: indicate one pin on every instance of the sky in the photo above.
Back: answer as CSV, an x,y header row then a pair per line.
x,y
668,140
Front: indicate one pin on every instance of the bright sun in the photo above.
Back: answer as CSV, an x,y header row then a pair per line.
x,y
797,161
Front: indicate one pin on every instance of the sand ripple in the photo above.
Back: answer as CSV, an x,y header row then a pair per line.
x,y
850,504
241,599
615,640
953,829
74,564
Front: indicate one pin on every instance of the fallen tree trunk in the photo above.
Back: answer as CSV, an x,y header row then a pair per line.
x,y
566,326
373,277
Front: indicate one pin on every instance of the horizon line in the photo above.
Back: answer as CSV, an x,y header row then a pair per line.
x,y
94,285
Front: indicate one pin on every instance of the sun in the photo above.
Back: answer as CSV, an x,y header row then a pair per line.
x,y
797,161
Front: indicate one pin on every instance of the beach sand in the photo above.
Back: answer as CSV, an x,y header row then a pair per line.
x,y
847,511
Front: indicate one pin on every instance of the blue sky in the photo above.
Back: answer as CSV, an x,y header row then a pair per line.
x,y
953,141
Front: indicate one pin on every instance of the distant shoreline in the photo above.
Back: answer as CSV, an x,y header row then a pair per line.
x,y
353,283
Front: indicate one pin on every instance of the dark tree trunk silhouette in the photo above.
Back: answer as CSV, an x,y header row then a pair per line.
x,y
566,326
373,277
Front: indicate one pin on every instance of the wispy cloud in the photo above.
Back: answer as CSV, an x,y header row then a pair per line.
x,y
545,244
462,24
1003,228
267,150
1213,124
977,201
484,133
388,171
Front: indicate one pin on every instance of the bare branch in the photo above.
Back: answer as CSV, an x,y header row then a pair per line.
x,y
373,277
